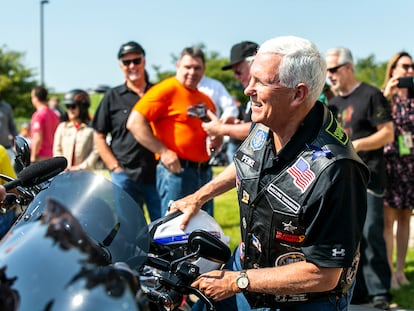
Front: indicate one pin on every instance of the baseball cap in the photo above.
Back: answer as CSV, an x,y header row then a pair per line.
x,y
240,52
130,47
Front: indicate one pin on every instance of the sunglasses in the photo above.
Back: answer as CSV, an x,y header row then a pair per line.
x,y
406,67
238,72
335,69
135,61
73,106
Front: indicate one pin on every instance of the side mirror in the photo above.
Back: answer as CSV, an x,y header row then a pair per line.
x,y
22,152
208,246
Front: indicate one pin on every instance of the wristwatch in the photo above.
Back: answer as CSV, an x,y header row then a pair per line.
x,y
242,281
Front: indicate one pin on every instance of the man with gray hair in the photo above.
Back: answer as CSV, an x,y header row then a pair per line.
x,y
298,180
365,116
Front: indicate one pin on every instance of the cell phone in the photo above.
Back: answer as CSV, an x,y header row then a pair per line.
x,y
406,82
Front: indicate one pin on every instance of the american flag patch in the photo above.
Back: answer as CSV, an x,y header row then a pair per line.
x,y
301,173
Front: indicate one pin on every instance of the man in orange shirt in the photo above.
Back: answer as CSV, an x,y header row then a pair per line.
x,y
174,109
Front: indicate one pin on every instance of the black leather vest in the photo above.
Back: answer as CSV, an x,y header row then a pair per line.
x,y
271,232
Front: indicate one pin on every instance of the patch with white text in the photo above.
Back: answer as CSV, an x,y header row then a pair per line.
x,y
249,161
302,174
283,198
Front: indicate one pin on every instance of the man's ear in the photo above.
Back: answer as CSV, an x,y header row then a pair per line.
x,y
302,91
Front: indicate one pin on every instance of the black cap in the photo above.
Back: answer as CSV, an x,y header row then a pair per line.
x,y
240,52
130,47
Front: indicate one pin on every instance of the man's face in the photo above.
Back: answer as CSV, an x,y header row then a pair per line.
x,y
190,70
337,73
133,66
271,102
242,72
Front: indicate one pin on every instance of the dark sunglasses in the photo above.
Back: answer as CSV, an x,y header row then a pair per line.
x,y
238,72
335,69
406,67
73,106
135,61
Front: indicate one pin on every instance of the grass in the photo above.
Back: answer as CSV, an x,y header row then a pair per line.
x,y
404,296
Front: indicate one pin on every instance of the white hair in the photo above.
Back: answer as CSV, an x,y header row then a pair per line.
x,y
301,63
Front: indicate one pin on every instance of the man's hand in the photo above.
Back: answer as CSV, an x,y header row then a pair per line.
x,y
218,284
171,161
189,206
212,128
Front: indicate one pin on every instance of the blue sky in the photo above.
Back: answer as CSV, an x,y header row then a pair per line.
x,y
82,37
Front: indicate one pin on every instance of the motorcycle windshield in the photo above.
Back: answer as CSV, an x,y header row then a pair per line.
x,y
105,211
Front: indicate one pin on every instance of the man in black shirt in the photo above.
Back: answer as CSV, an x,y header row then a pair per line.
x,y
301,191
365,116
132,166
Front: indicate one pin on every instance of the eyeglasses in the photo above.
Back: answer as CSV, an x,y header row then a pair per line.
x,y
135,61
335,69
407,67
73,106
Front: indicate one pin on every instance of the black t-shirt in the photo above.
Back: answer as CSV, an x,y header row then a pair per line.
x,y
359,114
110,118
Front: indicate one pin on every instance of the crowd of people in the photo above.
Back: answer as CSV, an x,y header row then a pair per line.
x,y
323,165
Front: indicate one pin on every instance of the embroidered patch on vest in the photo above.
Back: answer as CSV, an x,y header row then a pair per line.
x,y
249,161
302,174
245,197
289,258
258,140
283,198
335,130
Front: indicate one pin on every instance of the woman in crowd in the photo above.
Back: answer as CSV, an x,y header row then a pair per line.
x,y
399,157
74,138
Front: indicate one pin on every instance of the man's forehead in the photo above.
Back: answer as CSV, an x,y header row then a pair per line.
x,y
188,60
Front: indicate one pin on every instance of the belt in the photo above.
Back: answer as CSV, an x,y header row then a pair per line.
x,y
194,165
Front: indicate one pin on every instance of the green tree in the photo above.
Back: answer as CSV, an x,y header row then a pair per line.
x,y
16,82
370,71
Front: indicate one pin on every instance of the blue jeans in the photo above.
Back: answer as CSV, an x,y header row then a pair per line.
x,y
141,193
172,186
374,275
6,222
239,302
232,147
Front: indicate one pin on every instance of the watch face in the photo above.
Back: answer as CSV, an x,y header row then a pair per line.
x,y
242,282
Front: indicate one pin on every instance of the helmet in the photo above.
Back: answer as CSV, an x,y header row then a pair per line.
x,y
168,233
76,96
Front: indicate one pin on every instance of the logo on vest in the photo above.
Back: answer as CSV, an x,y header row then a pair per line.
x,y
289,258
302,174
335,130
289,227
291,238
258,140
338,252
248,160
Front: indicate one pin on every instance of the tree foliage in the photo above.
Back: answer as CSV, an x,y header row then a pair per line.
x,y
369,71
16,82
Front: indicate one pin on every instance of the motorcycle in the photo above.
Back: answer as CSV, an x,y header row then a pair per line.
x,y
83,244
